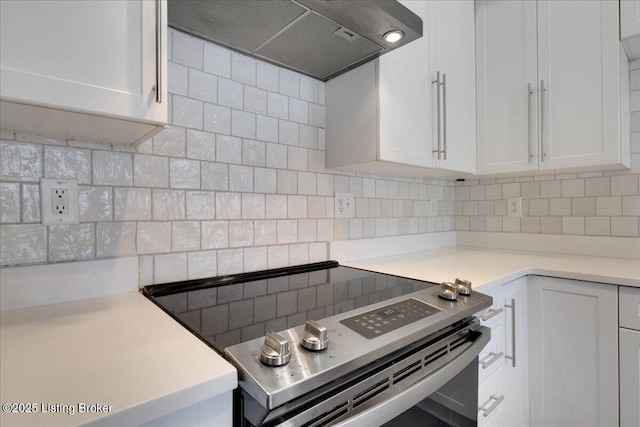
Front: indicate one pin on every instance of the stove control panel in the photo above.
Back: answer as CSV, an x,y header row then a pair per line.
x,y
276,350
389,318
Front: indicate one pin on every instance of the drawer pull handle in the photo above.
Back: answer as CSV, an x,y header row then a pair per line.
x,y
490,359
486,411
512,306
490,313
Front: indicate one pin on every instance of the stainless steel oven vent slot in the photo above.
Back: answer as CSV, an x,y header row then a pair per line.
x,y
406,372
457,343
430,358
371,392
329,416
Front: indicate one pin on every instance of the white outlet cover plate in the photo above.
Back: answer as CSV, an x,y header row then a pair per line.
x,y
345,205
514,207
48,216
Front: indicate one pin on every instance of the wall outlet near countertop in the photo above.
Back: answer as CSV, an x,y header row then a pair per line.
x,y
345,206
59,201
514,207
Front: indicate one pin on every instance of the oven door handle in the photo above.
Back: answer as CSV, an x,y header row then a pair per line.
x,y
396,405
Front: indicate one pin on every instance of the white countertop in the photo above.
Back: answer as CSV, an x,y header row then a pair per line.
x,y
487,268
120,350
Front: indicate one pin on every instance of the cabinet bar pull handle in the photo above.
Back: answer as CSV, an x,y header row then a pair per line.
x,y
490,359
529,93
496,401
542,92
158,52
490,313
444,116
512,306
438,84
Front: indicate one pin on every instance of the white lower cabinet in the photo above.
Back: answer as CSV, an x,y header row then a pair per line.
x,y
629,356
502,389
573,353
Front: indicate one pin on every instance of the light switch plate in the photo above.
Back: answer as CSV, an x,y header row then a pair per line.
x,y
59,201
345,206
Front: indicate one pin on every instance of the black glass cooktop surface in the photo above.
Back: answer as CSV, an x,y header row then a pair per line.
x,y
228,310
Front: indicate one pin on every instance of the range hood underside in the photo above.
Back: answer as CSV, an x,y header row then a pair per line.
x,y
331,39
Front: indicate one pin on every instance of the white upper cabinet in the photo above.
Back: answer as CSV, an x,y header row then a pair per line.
x,y
452,49
384,117
91,70
630,27
552,86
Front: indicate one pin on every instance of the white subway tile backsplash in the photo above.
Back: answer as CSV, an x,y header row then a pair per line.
x,y
230,261
20,162
31,203
200,205
266,128
573,225
150,171
170,268
145,270
95,204
597,226
217,119
584,206
201,145
287,182
298,110
288,133
253,206
631,206
215,234
185,236
240,178
170,142
187,112
289,83
187,50
168,205
22,244
217,60
228,149
184,173
240,234
243,69
624,185
132,204
115,239
201,264
228,206
214,176
265,180
255,100
177,79
317,115
296,207
63,162
277,256
277,106
112,168
276,206
9,202
243,124
267,77
203,86
624,226
609,206
69,242
153,237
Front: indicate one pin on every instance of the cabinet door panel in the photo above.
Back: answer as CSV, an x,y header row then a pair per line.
x,y
573,353
506,63
404,94
629,378
578,60
452,35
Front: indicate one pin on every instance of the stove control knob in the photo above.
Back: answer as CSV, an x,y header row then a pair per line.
x,y
315,336
448,291
275,351
464,287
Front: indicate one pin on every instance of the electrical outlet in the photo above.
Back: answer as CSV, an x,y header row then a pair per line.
x,y
59,201
433,206
345,206
514,207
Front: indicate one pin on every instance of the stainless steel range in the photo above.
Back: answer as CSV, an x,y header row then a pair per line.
x,y
323,344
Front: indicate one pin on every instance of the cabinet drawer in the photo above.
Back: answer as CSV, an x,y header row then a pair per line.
x,y
491,358
629,306
491,400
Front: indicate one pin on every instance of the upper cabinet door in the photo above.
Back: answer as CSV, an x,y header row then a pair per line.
x,y
452,47
506,59
404,91
579,83
104,58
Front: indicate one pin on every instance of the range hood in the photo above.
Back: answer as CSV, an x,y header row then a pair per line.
x,y
320,38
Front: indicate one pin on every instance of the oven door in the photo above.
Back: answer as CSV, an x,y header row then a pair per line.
x,y
435,380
